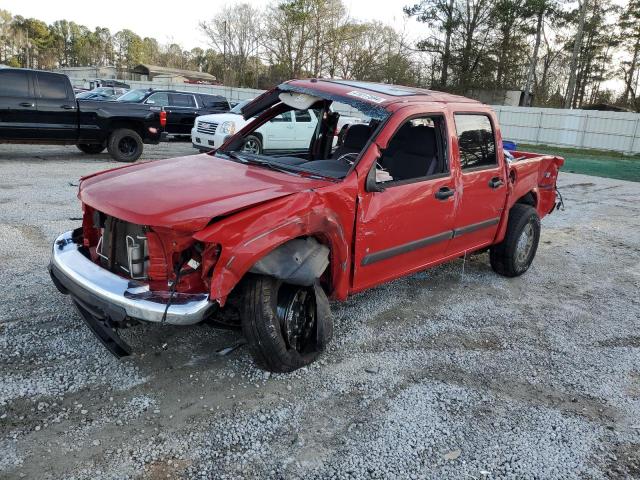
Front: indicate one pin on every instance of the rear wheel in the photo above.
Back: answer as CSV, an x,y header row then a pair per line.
x,y
252,144
91,149
513,256
125,145
280,323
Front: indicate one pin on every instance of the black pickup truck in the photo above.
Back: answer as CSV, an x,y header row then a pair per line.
x,y
40,107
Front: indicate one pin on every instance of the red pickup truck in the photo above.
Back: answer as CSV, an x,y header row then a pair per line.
x,y
262,242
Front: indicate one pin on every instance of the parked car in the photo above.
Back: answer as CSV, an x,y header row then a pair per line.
x,y
260,242
102,94
40,107
182,107
288,132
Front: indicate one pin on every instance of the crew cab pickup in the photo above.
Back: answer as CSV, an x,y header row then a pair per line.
x,y
40,107
262,242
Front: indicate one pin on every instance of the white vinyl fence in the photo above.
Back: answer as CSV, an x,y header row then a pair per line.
x,y
618,131
565,128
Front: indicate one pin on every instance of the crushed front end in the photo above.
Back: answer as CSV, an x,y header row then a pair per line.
x,y
118,273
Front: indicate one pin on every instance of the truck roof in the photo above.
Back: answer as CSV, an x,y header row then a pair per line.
x,y
377,93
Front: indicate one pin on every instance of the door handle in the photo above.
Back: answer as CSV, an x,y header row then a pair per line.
x,y
444,193
67,107
27,104
495,182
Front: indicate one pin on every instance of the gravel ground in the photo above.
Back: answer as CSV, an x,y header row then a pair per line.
x,y
443,374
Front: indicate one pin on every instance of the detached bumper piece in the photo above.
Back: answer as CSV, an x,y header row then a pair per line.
x,y
107,301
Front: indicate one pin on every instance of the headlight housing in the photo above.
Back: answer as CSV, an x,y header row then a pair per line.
x,y
228,128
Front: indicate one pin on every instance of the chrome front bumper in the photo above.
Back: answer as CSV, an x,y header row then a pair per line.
x,y
75,274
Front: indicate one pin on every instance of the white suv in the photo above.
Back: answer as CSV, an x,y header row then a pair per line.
x,y
288,131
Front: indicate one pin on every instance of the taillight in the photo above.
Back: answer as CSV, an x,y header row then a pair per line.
x,y
163,119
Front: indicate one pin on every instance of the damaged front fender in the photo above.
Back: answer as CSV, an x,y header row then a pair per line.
x,y
293,238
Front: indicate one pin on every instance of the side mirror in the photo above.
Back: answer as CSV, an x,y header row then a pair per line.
x,y
370,184
150,102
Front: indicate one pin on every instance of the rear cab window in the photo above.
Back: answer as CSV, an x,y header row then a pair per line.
x,y
14,83
476,141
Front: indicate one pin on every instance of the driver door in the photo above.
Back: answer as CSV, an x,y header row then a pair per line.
x,y
407,225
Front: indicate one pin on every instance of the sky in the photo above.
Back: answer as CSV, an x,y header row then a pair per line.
x,y
180,25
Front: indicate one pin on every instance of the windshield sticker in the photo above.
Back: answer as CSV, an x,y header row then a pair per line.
x,y
366,96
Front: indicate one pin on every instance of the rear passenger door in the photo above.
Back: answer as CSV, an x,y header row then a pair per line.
x,y
482,181
18,114
57,108
181,113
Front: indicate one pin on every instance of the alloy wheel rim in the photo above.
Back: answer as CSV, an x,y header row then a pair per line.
x,y
251,146
127,146
524,245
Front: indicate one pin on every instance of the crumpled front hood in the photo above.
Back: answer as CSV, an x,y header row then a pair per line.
x,y
186,193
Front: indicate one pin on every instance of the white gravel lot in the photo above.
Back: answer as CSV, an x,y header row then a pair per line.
x,y
439,375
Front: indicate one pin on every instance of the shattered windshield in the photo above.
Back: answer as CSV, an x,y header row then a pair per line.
x,y
306,135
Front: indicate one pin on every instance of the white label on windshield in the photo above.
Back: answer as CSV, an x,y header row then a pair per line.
x,y
366,96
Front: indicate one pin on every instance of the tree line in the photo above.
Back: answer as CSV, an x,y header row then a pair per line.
x,y
562,53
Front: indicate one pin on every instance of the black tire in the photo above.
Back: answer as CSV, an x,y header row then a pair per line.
x,y
125,145
263,325
513,256
252,144
91,148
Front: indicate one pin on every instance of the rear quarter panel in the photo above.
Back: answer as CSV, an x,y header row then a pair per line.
x,y
535,173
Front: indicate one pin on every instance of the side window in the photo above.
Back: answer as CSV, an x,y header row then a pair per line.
x,y
14,83
476,141
52,86
415,151
161,99
214,102
181,100
283,117
303,116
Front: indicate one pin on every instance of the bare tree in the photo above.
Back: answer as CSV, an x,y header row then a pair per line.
x,y
235,32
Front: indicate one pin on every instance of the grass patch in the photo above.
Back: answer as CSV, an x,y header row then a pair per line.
x,y
600,163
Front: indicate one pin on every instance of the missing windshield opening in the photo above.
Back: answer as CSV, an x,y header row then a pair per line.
x,y
319,138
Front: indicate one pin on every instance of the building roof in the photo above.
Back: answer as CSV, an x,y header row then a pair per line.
x,y
153,70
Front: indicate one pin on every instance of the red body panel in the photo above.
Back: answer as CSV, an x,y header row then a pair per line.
x,y
241,212
186,193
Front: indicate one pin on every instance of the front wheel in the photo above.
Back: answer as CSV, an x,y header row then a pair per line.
x,y
90,148
125,145
513,256
285,325
252,144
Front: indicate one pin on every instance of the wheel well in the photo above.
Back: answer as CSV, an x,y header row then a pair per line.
x,y
530,198
259,135
300,261
132,125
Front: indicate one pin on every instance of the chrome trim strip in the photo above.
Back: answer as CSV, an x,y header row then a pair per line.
x,y
135,298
